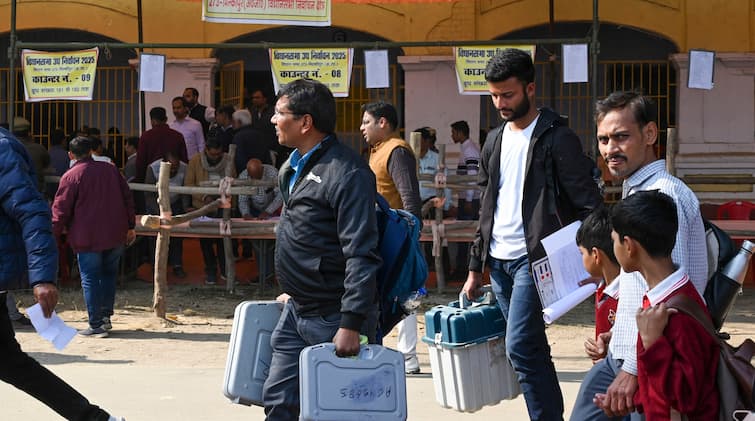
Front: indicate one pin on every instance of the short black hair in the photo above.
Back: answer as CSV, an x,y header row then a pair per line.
x,y
643,108
461,126
595,231
307,96
158,114
80,146
133,141
182,99
194,91
94,142
511,62
213,143
57,136
382,109
649,217
227,110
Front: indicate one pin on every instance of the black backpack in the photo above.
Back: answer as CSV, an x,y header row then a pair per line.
x,y
721,291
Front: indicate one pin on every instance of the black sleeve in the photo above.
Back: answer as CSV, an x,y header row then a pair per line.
x,y
402,166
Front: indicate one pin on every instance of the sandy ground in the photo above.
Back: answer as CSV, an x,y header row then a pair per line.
x,y
203,318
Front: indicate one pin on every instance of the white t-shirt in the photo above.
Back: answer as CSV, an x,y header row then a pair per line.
x,y
507,241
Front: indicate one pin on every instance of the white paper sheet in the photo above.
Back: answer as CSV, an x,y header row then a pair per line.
x,y
560,307
574,59
701,69
565,260
376,73
53,329
152,72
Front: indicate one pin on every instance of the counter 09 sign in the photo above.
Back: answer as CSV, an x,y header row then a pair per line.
x,y
59,75
331,66
470,65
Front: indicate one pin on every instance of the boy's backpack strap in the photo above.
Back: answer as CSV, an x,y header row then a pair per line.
x,y
685,304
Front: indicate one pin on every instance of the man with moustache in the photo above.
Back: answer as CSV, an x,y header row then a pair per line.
x,y
627,132
534,179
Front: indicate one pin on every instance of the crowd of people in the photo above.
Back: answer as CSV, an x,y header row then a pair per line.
x,y
533,179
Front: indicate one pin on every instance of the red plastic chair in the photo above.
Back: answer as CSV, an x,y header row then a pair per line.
x,y
738,209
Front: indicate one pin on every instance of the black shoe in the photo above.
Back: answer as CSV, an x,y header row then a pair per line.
x,y
179,272
22,322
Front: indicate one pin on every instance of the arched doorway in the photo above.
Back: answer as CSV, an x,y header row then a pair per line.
x,y
256,72
115,102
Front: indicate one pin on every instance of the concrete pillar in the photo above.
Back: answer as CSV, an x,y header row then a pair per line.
x,y
431,98
716,128
179,75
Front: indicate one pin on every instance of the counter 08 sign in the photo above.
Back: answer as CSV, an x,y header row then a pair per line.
x,y
470,65
331,66
59,75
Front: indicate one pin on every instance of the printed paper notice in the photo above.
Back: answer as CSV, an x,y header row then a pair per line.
x,y
560,274
331,66
376,69
152,73
270,12
574,58
53,329
701,69
59,75
471,61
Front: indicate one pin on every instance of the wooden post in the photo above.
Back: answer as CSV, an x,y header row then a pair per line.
x,y
163,242
671,149
230,262
440,271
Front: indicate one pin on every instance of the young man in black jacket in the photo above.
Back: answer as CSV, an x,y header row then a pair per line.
x,y
534,179
326,254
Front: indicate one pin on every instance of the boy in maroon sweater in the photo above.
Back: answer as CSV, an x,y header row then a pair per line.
x,y
595,245
676,358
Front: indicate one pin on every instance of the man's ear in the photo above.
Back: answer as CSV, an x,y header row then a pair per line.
x,y
597,255
650,133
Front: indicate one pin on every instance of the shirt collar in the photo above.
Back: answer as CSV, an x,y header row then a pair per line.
x,y
643,174
612,289
667,286
298,160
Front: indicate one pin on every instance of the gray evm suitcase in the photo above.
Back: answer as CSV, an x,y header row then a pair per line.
x,y
371,386
249,351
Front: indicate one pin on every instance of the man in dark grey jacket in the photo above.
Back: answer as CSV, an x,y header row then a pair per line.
x,y
327,240
534,179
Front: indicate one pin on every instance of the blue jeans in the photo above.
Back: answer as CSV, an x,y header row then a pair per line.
x,y
99,271
526,344
291,335
597,380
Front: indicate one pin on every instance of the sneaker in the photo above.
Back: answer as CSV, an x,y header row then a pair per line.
x,y
106,323
411,365
179,272
112,418
211,280
97,332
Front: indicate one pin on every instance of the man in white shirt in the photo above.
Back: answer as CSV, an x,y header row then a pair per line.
x,y
627,132
191,129
469,201
534,149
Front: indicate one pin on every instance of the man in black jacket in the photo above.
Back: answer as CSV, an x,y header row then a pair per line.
x,y
326,244
534,179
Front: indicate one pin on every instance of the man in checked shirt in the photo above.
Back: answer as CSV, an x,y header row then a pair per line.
x,y
627,132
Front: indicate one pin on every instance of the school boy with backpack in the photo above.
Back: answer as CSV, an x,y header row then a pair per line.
x,y
676,358
596,247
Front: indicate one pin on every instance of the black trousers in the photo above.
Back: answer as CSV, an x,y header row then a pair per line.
x,y
22,371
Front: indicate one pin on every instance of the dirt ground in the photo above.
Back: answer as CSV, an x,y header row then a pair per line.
x,y
203,317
